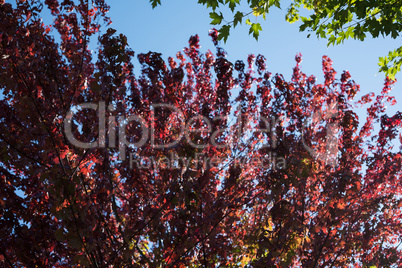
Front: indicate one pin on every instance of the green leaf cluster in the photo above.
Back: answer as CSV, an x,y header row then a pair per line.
x,y
334,20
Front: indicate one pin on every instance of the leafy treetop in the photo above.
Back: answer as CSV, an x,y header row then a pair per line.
x,y
334,20
241,204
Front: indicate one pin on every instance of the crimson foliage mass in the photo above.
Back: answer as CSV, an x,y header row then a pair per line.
x,y
62,206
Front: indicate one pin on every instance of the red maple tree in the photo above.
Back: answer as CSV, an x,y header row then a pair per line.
x,y
197,162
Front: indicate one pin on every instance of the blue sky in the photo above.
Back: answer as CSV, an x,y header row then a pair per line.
x,y
167,28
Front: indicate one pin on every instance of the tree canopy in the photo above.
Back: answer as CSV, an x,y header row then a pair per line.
x,y
195,162
334,20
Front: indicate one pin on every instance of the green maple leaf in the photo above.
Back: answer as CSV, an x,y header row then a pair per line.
x,y
216,18
155,3
233,4
238,17
255,29
224,33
